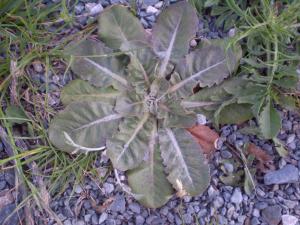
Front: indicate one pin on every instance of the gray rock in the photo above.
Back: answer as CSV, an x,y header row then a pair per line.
x,y
237,197
9,176
103,218
170,217
255,221
290,139
8,210
226,154
139,220
78,189
118,204
134,207
2,184
272,215
222,220
67,222
95,219
150,2
289,220
80,222
94,8
218,202
108,188
229,167
256,213
87,218
261,205
79,7
187,218
288,174
290,204
111,222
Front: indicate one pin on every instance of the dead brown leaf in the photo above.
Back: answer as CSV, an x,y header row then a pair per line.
x,y
205,136
264,159
104,206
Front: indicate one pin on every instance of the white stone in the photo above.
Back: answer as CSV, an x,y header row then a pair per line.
x,y
289,220
151,10
193,43
201,119
159,5
94,8
231,32
103,217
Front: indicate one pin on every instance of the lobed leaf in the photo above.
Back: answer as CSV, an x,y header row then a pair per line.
x,y
205,67
149,180
184,161
97,64
79,90
174,29
85,124
117,25
128,147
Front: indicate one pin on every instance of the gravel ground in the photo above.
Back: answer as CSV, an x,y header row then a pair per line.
x,y
275,201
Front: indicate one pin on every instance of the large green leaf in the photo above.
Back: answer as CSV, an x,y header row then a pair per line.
x,y
117,25
128,147
235,114
94,62
211,101
130,104
205,67
83,126
185,164
172,33
79,90
141,69
269,121
149,180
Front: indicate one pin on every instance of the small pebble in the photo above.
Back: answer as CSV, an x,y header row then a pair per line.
x,y
151,10
289,220
236,197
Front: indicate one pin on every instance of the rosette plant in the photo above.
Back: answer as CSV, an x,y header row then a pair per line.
x,y
129,100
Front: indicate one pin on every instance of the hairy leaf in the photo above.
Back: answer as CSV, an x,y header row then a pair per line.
x,y
172,33
83,126
219,103
142,66
269,121
130,104
117,25
79,90
94,62
205,67
128,147
184,161
149,179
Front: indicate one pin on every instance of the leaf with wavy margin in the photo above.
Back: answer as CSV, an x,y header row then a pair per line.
x,y
86,124
184,161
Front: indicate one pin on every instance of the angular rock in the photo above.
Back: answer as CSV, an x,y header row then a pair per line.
x,y
237,197
139,220
103,217
271,215
288,174
7,215
118,204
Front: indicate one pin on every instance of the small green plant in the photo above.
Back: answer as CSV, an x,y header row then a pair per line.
x,y
130,100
